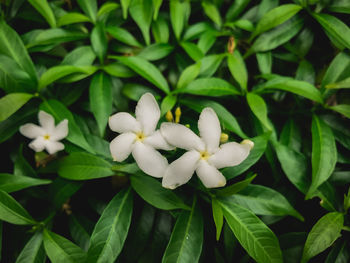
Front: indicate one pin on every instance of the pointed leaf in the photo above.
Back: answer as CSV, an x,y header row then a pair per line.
x,y
33,251
12,102
43,7
11,183
89,7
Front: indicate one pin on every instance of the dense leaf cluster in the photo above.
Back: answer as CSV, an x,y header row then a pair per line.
x,y
276,72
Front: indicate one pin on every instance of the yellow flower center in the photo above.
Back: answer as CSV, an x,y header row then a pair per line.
x,y
47,137
140,136
204,155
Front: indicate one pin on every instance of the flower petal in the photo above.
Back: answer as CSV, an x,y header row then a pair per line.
x,y
181,136
157,141
209,129
181,170
60,131
123,122
149,160
121,146
38,144
31,130
230,154
53,147
209,175
46,121
147,113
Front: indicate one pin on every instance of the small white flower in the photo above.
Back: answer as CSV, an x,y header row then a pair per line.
x,y
47,135
204,154
140,137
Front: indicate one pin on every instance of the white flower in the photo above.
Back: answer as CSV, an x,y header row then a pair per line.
x,y
139,137
46,136
203,154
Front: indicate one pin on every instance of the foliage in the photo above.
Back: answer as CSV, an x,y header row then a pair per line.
x,y
275,72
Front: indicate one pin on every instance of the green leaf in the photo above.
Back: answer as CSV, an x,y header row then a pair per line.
x,y
298,87
186,240
235,9
11,183
106,8
89,7
43,7
146,70
218,216
80,228
278,36
213,87
254,236
117,69
260,143
141,12
123,36
153,193
189,74
33,251
322,235
156,5
263,200
125,6
101,99
335,29
238,69
305,72
324,153
212,12
60,112
60,249
235,188
167,104
259,108
291,135
156,51
210,64
339,6
111,229
84,166
227,120
135,91
99,41
160,30
72,18
11,45
11,211
276,17
339,252
192,50
344,84
61,71
342,109
10,103
179,13
264,62
81,56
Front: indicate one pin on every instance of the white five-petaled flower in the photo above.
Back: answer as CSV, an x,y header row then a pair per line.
x,y
47,135
140,137
203,154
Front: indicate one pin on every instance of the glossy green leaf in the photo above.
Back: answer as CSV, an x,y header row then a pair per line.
x,y
156,5
334,28
117,69
339,252
344,84
84,166
218,217
260,143
11,211
123,36
111,229
324,153
322,235
153,193
89,7
160,30
179,12
189,74
141,12
259,108
276,17
146,70
238,69
192,50
264,62
305,72
60,249
210,64
212,12
81,56
291,135
339,6
227,120
11,45
100,94
11,183
156,51
236,8
342,109
167,104
43,7
60,112
235,188
107,8
186,240
72,18
80,228
135,91
254,236
10,103
125,6
61,190
33,251
99,41
213,87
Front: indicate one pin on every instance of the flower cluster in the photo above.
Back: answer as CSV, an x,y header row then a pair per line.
x,y
204,155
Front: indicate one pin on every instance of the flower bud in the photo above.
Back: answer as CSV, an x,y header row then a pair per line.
x,y
169,116
177,115
223,137
231,44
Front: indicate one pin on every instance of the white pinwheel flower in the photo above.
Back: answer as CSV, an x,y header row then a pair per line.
x,y
203,154
47,135
140,137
